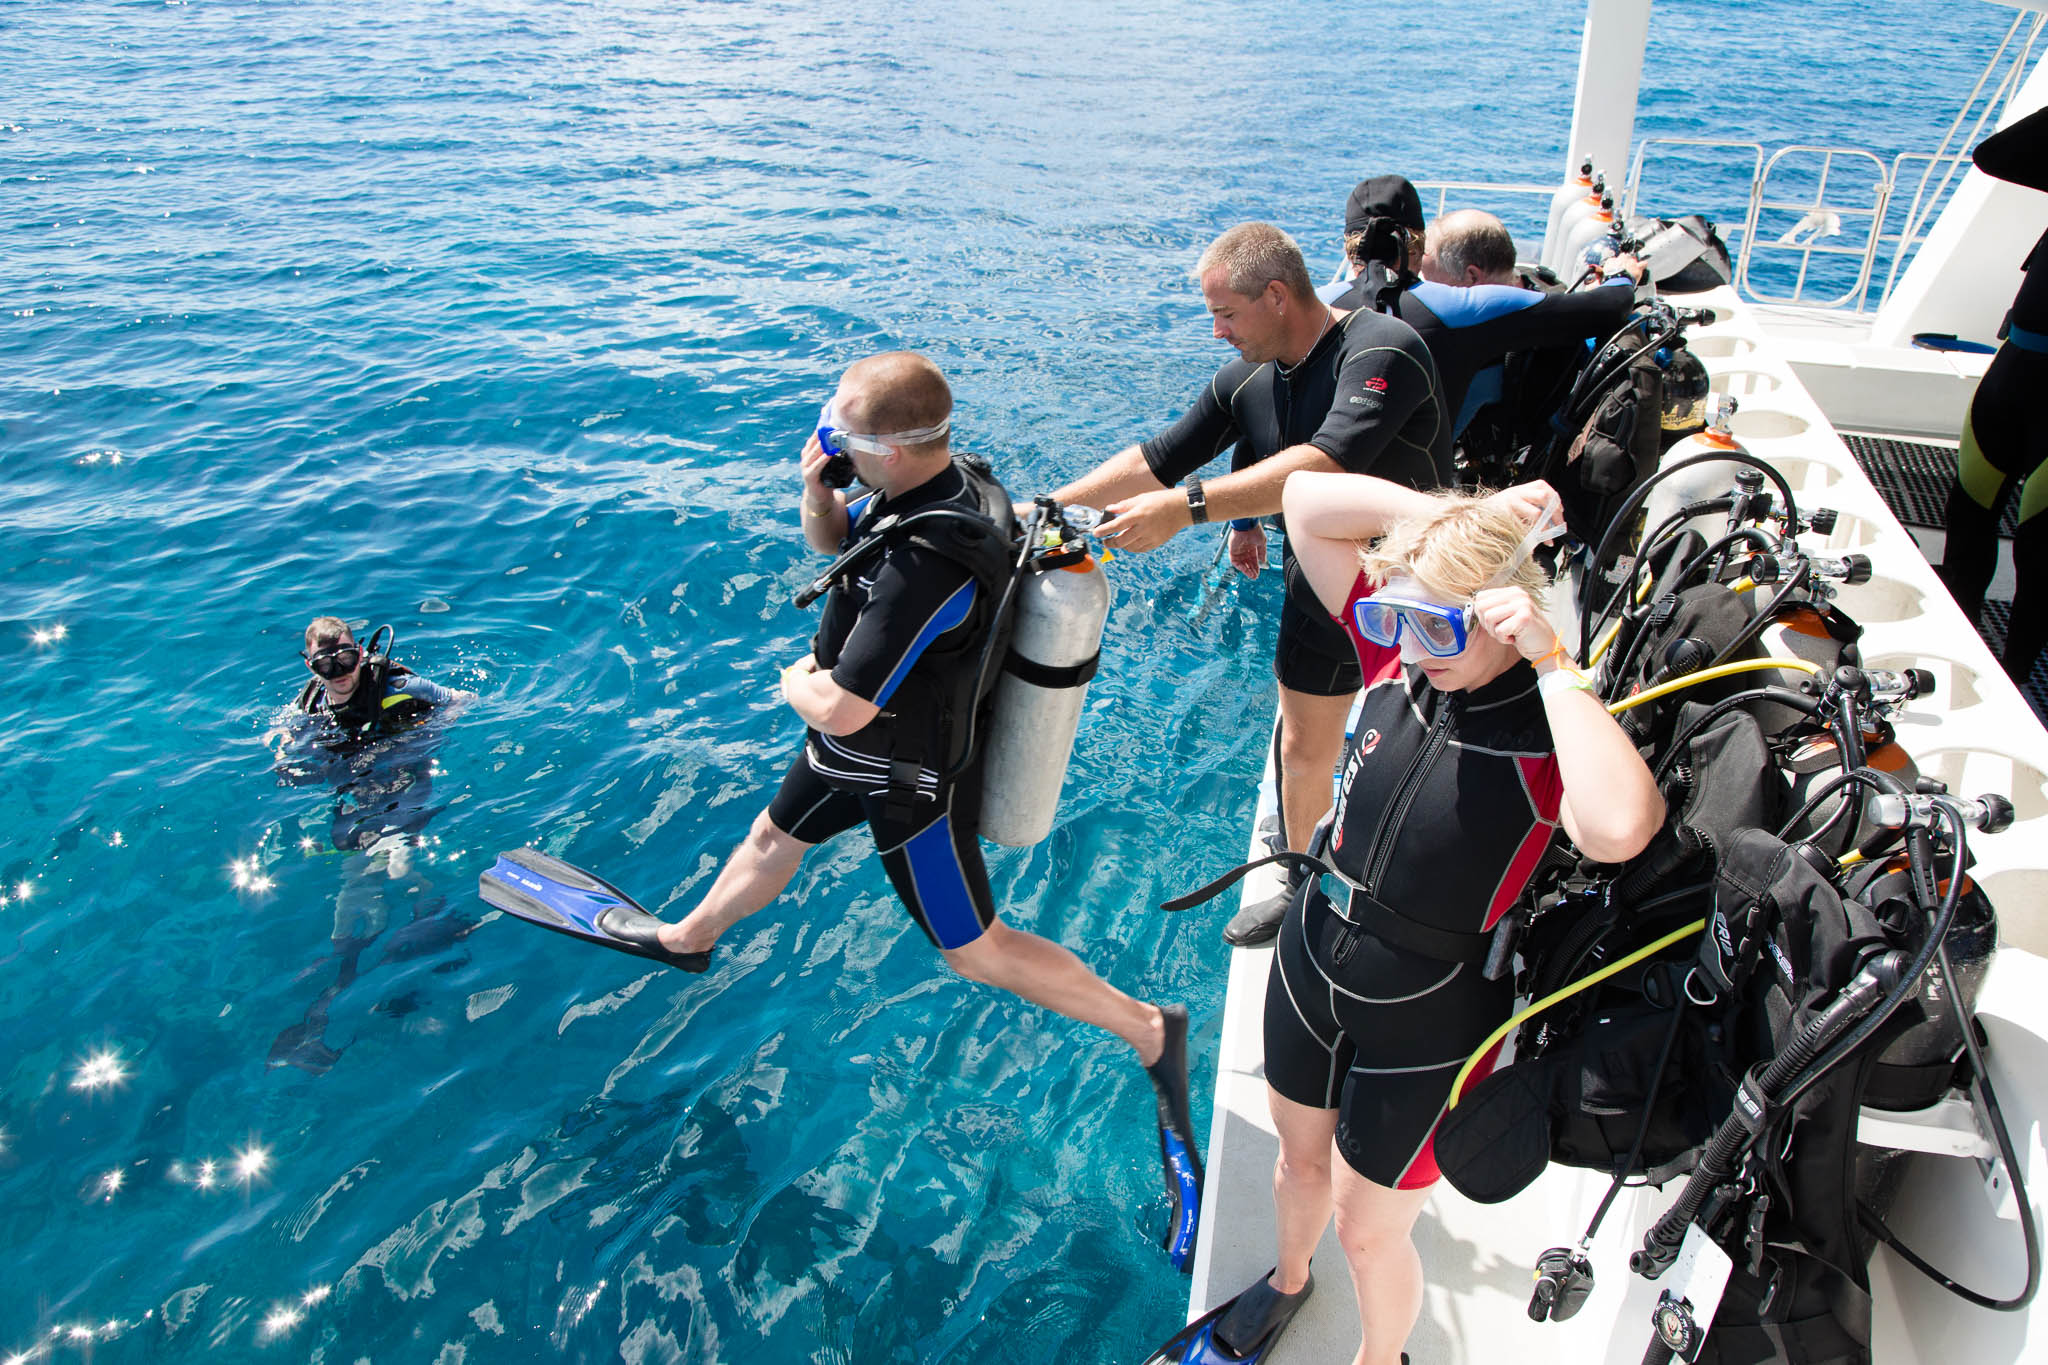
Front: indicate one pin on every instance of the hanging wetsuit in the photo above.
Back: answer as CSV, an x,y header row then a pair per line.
x,y
2005,434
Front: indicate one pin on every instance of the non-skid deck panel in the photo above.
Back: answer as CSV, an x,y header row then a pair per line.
x,y
1913,478
1997,617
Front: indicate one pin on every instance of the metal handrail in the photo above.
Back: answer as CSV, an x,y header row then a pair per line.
x,y
2008,86
1635,170
1443,189
1811,248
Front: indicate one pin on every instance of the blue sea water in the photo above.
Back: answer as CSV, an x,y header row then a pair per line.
x,y
500,323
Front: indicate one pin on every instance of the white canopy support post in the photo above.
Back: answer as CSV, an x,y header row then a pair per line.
x,y
1610,71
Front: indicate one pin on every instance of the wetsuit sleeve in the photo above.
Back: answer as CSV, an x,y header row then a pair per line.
x,y
421,689
1203,432
918,600
2017,154
1380,386
1494,319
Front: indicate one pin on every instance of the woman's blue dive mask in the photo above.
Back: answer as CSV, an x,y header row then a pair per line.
x,y
839,443
1399,613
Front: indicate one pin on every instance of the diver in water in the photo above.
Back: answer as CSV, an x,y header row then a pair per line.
x,y
358,732
364,691
2005,433
1476,740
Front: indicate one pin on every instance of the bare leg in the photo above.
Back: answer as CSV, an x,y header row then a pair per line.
x,y
1302,1197
1311,742
1046,974
752,877
1373,1226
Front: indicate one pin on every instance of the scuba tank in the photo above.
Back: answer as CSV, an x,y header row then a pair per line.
x,y
1585,232
1556,255
1707,480
1062,605
1575,188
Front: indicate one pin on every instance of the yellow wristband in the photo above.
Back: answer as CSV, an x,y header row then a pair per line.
x,y
1556,652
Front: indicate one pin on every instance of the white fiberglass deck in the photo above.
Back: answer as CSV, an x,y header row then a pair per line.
x,y
1976,733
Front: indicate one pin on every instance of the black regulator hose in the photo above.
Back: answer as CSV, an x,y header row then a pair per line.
x,y
1617,526
1980,1080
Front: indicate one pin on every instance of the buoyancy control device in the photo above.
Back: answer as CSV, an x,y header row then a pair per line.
x,y
1801,943
1018,704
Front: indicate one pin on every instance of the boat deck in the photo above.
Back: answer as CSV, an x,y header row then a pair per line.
x,y
1976,733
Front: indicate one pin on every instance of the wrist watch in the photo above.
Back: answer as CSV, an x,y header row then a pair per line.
x,y
1198,505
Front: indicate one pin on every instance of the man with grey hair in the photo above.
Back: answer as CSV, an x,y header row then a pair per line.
x,y
1467,248
1313,387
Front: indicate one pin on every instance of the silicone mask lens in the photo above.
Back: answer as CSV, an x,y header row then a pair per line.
x,y
1378,622
336,661
1438,635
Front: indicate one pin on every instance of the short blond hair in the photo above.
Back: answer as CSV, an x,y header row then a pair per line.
x,y
1254,255
899,391
1454,550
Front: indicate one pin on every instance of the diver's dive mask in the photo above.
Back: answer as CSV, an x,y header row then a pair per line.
x,y
1399,613
839,443
335,661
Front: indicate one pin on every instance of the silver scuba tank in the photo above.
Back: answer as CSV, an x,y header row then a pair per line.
x,y
1575,188
1056,641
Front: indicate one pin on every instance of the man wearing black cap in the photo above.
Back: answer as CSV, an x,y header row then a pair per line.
x,y
1383,227
1312,388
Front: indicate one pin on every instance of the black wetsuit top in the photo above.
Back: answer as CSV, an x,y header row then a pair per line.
x,y
1366,395
1470,330
1448,802
1448,798
894,633
898,631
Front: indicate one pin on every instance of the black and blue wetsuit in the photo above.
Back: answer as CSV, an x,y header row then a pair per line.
x,y
2005,433
898,632
388,696
1448,801
1367,396
1470,331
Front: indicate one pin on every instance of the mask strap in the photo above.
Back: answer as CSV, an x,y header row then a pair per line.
x,y
1543,530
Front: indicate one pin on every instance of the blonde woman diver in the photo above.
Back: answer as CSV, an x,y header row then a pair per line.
x,y
1476,740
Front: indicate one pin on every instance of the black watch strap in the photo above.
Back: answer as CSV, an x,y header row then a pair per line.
x,y
1198,503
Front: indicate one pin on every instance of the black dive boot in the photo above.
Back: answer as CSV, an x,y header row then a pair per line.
x,y
1259,922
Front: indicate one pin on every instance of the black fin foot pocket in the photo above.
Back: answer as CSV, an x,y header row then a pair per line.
x,y
1180,1159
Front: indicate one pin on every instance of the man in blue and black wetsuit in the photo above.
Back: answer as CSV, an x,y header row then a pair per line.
x,y
1472,312
884,693
1313,388
359,690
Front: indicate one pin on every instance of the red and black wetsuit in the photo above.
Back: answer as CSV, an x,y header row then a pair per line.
x,y
1448,801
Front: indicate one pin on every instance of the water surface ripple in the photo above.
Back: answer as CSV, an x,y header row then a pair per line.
x,y
499,322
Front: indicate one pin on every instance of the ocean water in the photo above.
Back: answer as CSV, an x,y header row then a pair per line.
x,y
501,323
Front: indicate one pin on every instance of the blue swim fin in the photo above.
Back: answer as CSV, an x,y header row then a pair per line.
x,y
1257,1317
1179,1160
549,892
